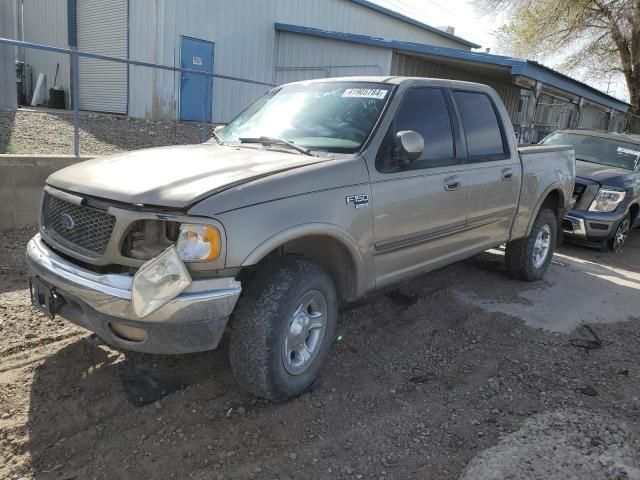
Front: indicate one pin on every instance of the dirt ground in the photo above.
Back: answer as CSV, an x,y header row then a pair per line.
x,y
38,130
462,373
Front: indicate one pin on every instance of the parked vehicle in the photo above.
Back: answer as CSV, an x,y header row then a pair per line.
x,y
317,194
606,197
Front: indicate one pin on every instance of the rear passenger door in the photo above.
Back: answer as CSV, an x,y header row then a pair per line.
x,y
419,208
494,174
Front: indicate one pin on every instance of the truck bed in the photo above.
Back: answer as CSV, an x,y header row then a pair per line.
x,y
544,167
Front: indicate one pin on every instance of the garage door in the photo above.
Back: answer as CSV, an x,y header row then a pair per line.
x,y
102,28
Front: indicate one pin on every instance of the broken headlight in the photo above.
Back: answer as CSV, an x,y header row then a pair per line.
x,y
158,282
198,243
146,239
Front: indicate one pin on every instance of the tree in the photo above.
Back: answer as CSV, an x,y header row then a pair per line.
x,y
598,37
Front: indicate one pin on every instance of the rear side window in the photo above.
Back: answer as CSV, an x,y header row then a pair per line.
x,y
424,110
481,125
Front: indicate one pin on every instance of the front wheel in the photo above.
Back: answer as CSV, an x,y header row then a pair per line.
x,y
622,233
283,328
529,258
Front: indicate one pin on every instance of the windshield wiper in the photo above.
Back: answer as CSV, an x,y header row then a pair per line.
x,y
276,141
217,138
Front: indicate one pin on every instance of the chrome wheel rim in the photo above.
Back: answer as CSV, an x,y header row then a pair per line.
x,y
621,235
542,246
304,333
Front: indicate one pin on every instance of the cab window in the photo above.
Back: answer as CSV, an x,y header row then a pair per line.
x,y
425,111
484,137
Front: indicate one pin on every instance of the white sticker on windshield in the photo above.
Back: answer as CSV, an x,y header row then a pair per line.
x,y
365,93
628,151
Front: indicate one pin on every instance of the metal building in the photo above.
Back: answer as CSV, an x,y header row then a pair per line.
x,y
236,38
539,99
8,94
278,41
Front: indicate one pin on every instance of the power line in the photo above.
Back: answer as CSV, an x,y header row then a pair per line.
x,y
414,10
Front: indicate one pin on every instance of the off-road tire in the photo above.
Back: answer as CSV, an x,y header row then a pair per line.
x,y
260,319
519,255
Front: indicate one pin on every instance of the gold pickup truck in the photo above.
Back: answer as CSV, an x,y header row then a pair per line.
x,y
315,195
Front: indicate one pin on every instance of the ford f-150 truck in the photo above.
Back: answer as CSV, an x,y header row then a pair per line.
x,y
318,193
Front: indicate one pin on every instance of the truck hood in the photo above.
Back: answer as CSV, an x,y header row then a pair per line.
x,y
174,176
603,174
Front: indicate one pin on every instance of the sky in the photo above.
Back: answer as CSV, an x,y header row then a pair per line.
x,y
472,25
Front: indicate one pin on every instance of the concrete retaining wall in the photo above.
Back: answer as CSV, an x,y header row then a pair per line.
x,y
22,178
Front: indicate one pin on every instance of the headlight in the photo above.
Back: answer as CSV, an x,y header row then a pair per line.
x,y
158,281
607,200
198,243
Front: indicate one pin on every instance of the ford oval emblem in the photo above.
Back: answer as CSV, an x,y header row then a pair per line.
x,y
67,222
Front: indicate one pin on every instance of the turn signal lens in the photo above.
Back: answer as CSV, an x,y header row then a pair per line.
x,y
198,243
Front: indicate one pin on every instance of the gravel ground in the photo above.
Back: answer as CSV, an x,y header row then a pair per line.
x,y
50,132
430,379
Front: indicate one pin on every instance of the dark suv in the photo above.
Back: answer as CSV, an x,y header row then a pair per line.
x,y
606,195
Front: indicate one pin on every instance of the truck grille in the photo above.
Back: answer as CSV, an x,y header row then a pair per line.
x,y
81,228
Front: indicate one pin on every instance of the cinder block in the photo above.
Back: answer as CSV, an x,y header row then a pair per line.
x,y
27,217
32,176
27,197
7,198
7,220
6,177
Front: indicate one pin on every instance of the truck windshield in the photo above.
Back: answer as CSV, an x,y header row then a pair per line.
x,y
593,149
335,117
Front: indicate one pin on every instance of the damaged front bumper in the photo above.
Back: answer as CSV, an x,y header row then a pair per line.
x,y
193,321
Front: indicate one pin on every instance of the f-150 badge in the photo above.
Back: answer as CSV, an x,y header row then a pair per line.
x,y
360,200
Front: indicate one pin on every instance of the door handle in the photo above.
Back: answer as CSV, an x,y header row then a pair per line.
x,y
507,174
452,183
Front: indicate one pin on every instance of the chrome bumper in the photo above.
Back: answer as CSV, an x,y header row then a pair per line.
x,y
574,226
101,301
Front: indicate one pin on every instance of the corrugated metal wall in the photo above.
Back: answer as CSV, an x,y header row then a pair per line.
x,y
103,29
45,22
7,56
300,57
245,44
418,67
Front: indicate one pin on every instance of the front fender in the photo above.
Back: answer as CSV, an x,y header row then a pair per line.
x,y
300,231
362,273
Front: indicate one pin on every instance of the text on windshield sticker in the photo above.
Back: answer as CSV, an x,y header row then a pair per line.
x,y
365,93
628,151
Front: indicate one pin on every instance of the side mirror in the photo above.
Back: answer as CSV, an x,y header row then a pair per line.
x,y
409,146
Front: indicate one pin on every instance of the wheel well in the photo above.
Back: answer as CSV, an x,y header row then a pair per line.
x,y
330,253
553,202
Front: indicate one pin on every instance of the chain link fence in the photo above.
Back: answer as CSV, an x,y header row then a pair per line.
x,y
97,104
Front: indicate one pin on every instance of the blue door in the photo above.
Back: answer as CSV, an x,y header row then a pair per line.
x,y
196,91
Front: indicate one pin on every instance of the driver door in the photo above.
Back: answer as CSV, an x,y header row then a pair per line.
x,y
419,208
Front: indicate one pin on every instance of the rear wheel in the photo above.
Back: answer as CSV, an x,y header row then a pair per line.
x,y
616,243
529,258
283,328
